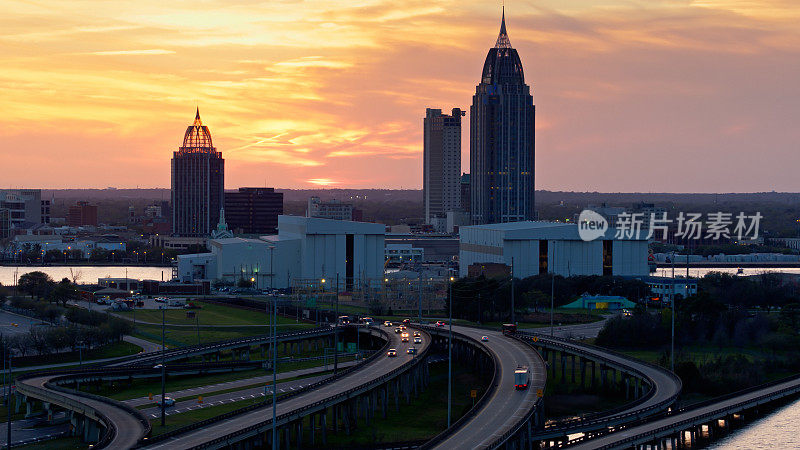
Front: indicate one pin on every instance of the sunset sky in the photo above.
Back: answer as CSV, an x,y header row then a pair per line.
x,y
631,95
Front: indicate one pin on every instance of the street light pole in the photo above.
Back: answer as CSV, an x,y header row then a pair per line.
x,y
10,383
672,343
163,369
336,330
274,319
450,357
513,318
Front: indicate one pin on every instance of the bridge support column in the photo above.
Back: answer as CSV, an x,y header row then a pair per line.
x,y
385,400
287,436
323,424
28,407
627,387
300,433
563,367
91,431
583,372
594,378
572,359
312,424
336,410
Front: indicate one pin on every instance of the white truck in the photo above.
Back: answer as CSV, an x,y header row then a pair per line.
x,y
521,377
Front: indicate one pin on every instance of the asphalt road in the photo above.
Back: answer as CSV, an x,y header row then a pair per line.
x,y
25,430
507,405
375,369
230,397
241,383
12,324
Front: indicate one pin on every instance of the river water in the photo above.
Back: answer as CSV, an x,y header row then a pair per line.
x,y
87,274
777,430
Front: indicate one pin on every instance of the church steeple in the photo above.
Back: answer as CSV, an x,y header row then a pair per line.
x,y
502,38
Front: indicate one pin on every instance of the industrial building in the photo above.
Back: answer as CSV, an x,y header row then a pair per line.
x,y
305,248
549,247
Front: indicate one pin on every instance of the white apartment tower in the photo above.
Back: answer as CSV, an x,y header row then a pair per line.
x,y
441,184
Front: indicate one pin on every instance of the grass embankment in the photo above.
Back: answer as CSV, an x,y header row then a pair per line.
x,y
176,421
183,330
113,350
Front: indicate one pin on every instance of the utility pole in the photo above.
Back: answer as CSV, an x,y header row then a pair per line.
x,y
10,383
513,318
163,370
336,330
450,357
274,319
419,302
672,343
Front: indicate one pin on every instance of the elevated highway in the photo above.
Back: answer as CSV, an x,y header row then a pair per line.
x,y
357,391
683,425
505,409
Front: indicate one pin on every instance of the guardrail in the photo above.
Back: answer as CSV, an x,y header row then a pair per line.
x,y
478,405
334,399
294,393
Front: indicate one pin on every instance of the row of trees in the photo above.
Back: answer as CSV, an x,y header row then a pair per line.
x,y
48,340
40,286
489,299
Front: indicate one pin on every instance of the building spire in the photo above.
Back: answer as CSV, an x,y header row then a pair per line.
x,y
197,121
502,38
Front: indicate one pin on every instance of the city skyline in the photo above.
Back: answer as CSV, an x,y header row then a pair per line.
x,y
630,94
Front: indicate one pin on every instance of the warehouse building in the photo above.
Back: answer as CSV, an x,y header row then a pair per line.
x,y
549,247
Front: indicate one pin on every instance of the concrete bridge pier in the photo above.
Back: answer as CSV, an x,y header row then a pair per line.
x,y
573,368
91,431
582,364
594,378
563,367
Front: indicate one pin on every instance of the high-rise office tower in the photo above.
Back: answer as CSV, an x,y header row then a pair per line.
x,y
501,139
198,172
441,167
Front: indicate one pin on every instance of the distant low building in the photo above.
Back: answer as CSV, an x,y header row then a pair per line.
x,y
332,209
404,253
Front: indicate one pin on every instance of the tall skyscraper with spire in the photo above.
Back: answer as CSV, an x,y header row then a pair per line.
x,y
502,139
198,175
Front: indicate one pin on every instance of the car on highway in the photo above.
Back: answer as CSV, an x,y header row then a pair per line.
x,y
403,327
404,339
439,323
158,366
412,350
406,321
417,334
168,401
404,334
391,353
387,323
160,299
397,330
418,340
484,338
